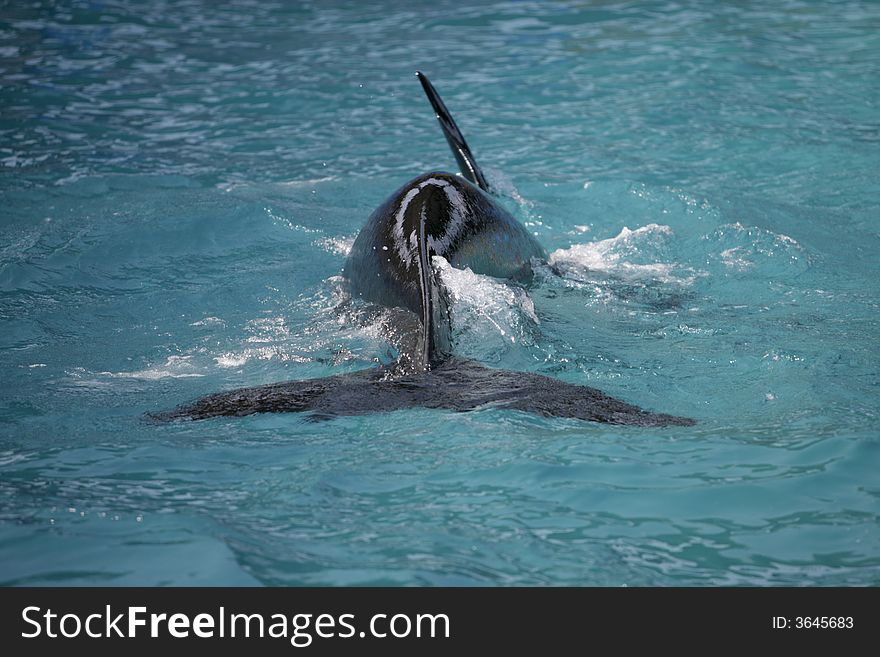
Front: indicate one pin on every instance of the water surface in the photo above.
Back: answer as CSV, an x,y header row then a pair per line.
x,y
181,182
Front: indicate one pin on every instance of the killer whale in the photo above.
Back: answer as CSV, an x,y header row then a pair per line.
x,y
435,214
392,264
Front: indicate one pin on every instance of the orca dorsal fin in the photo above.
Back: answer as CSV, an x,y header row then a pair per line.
x,y
459,146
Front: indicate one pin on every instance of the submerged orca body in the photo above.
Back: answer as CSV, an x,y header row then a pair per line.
x,y
391,264
453,384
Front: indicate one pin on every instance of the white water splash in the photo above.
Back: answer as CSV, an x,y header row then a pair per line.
x,y
174,367
231,359
336,245
209,321
754,244
734,258
616,256
486,305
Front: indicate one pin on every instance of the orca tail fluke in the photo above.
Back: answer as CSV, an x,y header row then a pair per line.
x,y
457,143
456,385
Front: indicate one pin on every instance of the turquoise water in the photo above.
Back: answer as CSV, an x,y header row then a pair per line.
x,y
181,181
